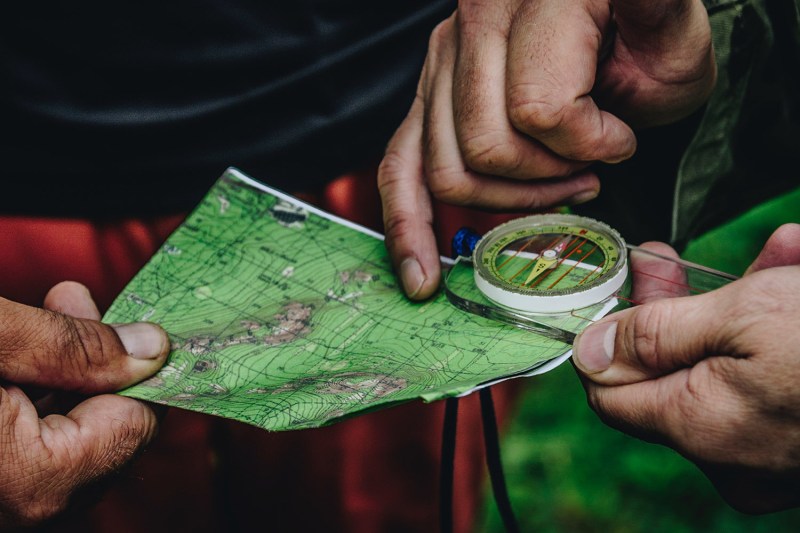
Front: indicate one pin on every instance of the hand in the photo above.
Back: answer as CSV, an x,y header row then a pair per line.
x,y
713,376
65,348
517,97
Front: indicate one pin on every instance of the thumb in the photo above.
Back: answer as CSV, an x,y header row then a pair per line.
x,y
662,67
106,427
67,452
48,349
650,340
662,28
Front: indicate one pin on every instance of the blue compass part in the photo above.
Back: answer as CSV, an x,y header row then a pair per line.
x,y
464,242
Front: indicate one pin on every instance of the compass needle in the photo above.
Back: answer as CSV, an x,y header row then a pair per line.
x,y
541,264
548,259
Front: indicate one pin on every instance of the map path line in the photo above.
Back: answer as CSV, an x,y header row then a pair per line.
x,y
285,317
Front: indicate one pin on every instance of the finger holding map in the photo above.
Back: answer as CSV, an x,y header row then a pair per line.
x,y
43,461
712,376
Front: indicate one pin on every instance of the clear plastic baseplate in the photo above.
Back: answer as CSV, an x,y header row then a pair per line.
x,y
651,275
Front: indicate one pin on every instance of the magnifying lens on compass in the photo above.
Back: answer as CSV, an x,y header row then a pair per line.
x,y
554,274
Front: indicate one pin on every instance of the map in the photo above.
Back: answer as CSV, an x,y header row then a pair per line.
x,y
286,317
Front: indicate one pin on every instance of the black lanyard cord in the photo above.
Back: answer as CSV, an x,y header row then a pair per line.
x,y
494,464
447,467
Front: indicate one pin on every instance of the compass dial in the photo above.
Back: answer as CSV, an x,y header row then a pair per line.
x,y
550,263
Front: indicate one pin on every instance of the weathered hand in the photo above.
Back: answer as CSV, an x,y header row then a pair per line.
x,y
516,91
43,461
713,376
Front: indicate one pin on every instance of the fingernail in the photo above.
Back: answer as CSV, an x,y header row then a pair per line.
x,y
594,348
583,197
141,339
412,276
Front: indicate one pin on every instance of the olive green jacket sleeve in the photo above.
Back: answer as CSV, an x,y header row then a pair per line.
x,y
746,147
740,149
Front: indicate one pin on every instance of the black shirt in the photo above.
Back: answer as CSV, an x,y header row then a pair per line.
x,y
133,107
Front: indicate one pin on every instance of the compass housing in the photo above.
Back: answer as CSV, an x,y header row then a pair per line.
x,y
550,263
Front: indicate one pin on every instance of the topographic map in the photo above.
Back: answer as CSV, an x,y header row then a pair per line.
x,y
285,317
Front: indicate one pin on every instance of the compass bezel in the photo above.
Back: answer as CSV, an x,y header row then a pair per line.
x,y
542,300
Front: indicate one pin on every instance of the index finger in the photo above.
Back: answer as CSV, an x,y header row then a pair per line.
x,y
56,351
675,408
655,276
781,249
407,209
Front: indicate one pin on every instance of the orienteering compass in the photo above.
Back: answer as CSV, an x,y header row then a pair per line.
x,y
550,263
554,274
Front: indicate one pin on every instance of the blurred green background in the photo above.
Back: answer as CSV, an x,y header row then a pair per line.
x,y
567,472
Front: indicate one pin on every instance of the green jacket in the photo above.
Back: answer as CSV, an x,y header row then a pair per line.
x,y
742,148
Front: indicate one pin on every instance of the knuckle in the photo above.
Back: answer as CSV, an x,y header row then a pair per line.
x,y
441,35
76,349
85,346
125,441
9,414
605,410
491,153
403,230
742,315
535,116
472,13
767,294
557,116
477,18
643,338
122,440
391,170
595,401
19,332
592,398
450,185
708,414
397,228
688,405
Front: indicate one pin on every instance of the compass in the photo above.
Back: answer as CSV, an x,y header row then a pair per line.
x,y
550,263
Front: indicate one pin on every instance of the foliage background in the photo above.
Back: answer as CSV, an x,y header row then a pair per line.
x,y
566,471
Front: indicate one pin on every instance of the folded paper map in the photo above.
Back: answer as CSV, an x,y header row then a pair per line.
x,y
286,317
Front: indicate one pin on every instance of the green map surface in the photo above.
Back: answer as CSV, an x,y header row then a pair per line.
x,y
285,317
